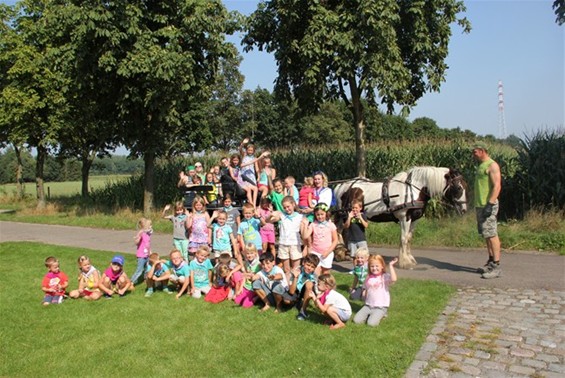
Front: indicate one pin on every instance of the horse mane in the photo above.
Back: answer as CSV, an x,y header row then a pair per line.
x,y
431,177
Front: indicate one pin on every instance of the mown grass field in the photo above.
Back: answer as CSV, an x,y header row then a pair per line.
x,y
137,336
63,189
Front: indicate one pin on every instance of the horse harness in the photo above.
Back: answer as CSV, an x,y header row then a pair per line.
x,y
409,201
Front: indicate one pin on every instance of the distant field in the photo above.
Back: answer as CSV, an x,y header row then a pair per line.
x,y
66,188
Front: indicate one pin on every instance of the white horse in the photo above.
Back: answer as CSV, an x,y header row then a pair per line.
x,y
403,199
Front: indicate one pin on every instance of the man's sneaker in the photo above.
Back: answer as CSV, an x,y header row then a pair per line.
x,y
302,316
167,290
486,268
495,272
148,293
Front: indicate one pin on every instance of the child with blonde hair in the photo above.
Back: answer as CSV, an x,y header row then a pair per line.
x,y
306,194
376,293
331,303
227,284
248,231
290,188
88,281
143,241
198,225
223,237
267,230
114,279
180,227
177,273
54,282
251,266
360,271
200,272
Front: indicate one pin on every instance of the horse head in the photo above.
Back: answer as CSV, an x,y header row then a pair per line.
x,y
455,192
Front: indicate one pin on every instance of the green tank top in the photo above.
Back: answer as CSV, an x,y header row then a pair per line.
x,y
482,185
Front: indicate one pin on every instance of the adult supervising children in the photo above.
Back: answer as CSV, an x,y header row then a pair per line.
x,y
486,191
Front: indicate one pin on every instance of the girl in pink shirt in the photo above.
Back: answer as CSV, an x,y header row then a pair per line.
x,y
143,242
375,291
322,235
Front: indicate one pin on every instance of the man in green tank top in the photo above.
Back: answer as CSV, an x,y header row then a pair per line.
x,y
486,191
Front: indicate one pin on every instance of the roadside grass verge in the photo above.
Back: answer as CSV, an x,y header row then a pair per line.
x,y
137,336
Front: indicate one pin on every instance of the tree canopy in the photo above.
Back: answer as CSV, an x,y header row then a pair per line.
x,y
384,50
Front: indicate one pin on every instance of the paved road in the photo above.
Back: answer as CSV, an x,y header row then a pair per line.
x,y
525,270
513,326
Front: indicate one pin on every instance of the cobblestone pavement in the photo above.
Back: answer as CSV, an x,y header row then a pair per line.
x,y
496,333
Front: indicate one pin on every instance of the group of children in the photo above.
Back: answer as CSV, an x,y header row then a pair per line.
x,y
241,264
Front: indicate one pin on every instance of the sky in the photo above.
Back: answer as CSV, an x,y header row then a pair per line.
x,y
513,41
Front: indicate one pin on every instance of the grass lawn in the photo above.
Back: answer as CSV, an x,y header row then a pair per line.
x,y
137,336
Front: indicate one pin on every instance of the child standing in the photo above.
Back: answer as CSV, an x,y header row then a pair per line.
x,y
276,194
251,266
267,230
155,270
233,217
360,271
356,224
331,303
114,279
88,281
223,238
180,227
290,223
143,241
248,231
323,237
377,296
54,282
306,194
211,195
198,225
270,283
200,272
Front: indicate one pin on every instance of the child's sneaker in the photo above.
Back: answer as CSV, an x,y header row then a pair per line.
x,y
107,296
167,290
148,293
302,316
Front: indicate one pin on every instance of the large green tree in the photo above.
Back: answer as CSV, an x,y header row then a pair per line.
x,y
392,51
32,93
156,62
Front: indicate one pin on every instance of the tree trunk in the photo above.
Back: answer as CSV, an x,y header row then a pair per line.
x,y
359,123
86,160
19,172
39,166
148,183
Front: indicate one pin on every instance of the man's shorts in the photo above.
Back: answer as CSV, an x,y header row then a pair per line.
x,y
289,251
487,226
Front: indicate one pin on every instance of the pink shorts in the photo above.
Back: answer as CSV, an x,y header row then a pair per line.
x,y
262,186
267,236
245,299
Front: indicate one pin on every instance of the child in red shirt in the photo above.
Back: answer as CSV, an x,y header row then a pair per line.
x,y
54,282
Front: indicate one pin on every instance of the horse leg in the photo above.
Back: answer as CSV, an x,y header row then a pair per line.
x,y
405,258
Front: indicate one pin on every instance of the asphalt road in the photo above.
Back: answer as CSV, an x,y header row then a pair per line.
x,y
521,270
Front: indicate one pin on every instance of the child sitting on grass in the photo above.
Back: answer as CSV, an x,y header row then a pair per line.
x,y
270,283
155,270
227,284
178,273
303,281
114,279
377,296
360,271
251,266
331,303
54,282
200,272
88,281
